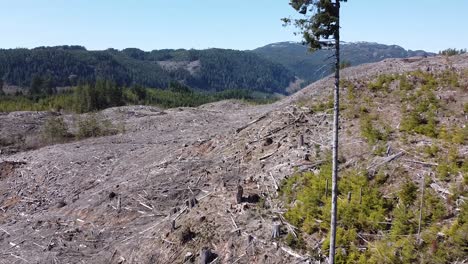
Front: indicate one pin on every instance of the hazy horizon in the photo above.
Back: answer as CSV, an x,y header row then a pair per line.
x,y
168,48
150,25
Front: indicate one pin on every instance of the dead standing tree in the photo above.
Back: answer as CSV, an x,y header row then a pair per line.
x,y
316,30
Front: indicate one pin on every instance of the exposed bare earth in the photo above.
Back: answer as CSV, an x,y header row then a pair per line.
x,y
112,199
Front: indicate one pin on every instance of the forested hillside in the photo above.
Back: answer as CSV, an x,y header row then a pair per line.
x,y
314,66
212,69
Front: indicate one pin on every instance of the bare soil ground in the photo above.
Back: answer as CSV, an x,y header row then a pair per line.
x,y
112,199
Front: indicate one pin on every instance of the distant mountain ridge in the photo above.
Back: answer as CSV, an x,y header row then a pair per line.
x,y
274,68
316,65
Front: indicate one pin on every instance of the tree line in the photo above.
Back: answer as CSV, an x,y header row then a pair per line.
x,y
107,93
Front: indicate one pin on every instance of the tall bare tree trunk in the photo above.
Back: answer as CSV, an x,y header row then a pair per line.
x,y
336,114
423,181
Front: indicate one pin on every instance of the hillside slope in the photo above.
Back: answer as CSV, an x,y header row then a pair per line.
x,y
113,199
312,66
211,69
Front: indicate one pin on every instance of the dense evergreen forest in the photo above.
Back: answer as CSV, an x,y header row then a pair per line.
x,y
104,94
209,70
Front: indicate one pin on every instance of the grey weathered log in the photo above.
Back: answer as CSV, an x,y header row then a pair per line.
x,y
251,123
240,192
387,160
119,204
274,182
275,233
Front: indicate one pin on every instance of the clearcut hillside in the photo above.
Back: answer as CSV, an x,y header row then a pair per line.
x,y
163,185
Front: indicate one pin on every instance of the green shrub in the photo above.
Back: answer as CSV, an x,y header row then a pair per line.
x,y
322,106
444,170
421,120
408,193
55,130
450,78
382,83
404,83
294,242
350,88
434,208
371,133
94,126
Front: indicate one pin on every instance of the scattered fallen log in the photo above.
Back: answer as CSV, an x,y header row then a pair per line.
x,y
119,204
440,189
250,123
387,160
294,254
290,227
234,222
422,163
274,182
145,205
268,155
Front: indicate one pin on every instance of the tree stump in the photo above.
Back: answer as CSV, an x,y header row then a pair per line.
x,y
186,235
206,256
188,257
249,240
250,247
275,233
191,202
300,141
240,192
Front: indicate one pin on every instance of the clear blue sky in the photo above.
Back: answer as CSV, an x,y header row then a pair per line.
x,y
238,24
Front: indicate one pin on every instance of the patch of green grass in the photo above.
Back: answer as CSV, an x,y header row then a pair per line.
x,y
382,83
450,79
419,116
